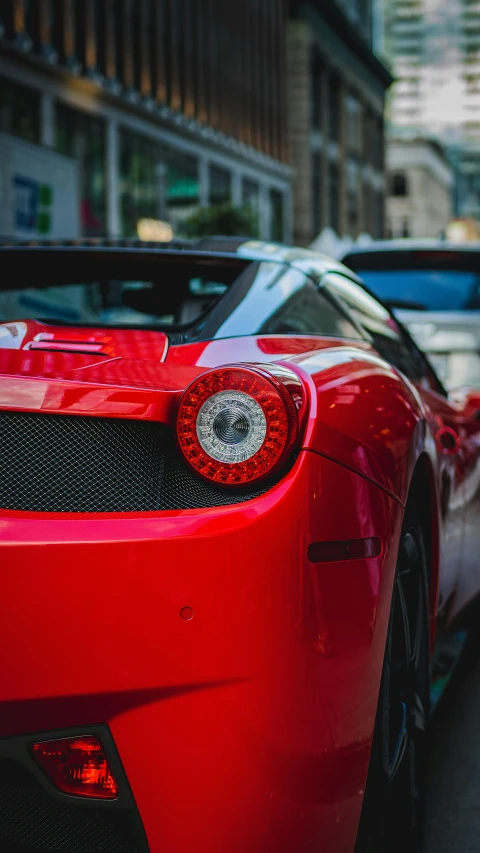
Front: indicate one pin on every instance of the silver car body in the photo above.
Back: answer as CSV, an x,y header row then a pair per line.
x,y
450,339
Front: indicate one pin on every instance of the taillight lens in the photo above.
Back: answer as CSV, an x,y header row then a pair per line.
x,y
77,765
236,425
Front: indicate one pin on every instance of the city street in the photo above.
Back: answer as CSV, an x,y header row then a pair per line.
x,y
453,809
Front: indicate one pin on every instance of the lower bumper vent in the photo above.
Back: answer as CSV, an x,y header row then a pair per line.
x,y
61,463
33,822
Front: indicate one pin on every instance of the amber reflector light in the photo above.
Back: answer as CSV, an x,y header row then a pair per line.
x,y
77,765
349,549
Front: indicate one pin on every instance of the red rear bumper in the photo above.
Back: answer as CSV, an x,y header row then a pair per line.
x,y
246,727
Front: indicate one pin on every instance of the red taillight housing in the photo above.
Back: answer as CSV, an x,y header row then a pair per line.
x,y
236,425
77,765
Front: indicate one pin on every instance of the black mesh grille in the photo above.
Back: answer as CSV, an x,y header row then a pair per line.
x,y
57,463
31,820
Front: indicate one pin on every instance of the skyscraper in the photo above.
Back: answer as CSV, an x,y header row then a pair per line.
x,y
360,14
434,49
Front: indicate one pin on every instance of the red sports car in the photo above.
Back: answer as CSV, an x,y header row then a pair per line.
x,y
239,532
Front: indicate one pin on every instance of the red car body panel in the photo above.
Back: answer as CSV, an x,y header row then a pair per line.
x,y
259,707
251,702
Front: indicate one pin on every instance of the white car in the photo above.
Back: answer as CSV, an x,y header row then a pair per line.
x,y
434,289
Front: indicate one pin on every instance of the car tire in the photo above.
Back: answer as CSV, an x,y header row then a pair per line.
x,y
393,808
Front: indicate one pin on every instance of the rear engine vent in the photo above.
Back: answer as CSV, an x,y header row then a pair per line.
x,y
59,463
49,342
60,346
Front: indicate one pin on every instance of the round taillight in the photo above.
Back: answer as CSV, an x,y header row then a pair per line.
x,y
236,425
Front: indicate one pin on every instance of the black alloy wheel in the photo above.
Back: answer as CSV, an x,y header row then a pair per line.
x,y
392,815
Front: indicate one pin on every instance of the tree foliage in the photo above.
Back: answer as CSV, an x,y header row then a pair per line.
x,y
222,219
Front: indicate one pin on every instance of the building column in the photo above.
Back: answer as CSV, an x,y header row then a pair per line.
x,y
342,160
90,36
326,82
288,217
22,39
299,127
367,171
113,183
362,224
204,181
382,194
45,35
47,120
68,36
236,188
111,59
265,213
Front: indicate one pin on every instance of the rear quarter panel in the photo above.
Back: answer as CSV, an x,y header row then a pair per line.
x,y
364,414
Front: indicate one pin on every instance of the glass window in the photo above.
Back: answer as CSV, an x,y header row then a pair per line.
x,y
305,312
398,184
378,144
220,185
209,299
317,200
333,199
138,182
277,224
156,182
113,288
82,137
430,290
353,186
251,199
334,110
353,113
316,93
271,300
19,111
387,337
378,214
179,187
251,194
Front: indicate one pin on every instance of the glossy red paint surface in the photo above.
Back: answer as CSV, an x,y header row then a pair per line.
x,y
264,700
239,678
32,335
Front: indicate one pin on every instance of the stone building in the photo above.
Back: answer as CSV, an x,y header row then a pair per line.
x,y
336,95
419,180
434,49
165,105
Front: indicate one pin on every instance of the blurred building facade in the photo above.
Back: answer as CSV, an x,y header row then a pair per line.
x,y
165,105
360,13
419,195
434,49
336,95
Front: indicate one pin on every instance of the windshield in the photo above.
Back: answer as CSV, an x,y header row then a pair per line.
x,y
201,298
425,290
111,302
114,289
